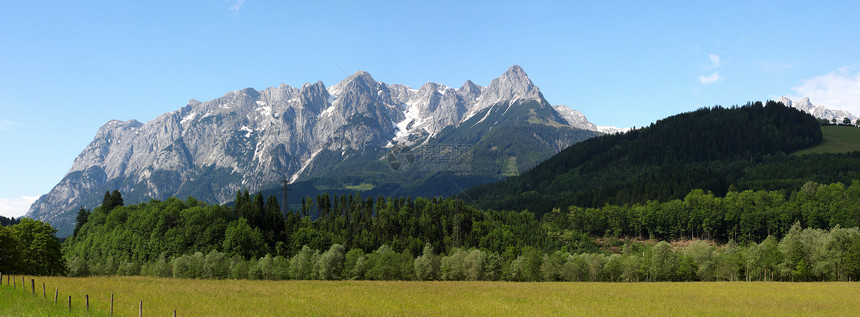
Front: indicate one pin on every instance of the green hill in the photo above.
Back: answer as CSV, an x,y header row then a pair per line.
x,y
836,139
710,149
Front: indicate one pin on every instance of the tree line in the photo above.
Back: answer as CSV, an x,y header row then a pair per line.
x,y
801,255
747,216
255,226
845,122
125,238
151,237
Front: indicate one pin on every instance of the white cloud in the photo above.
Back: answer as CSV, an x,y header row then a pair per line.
x,y
16,207
237,5
715,60
840,89
709,79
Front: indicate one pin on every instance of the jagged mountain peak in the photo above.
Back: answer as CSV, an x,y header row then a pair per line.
x,y
193,102
516,77
514,84
430,87
361,76
469,85
360,80
313,87
314,96
818,111
516,70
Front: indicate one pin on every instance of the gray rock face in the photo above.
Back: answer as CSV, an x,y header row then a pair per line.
x,y
512,85
820,112
574,118
251,139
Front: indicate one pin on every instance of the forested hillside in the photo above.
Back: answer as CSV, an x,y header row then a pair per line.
x,y
710,149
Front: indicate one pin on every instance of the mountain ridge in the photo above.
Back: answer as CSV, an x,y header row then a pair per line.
x,y
818,111
251,139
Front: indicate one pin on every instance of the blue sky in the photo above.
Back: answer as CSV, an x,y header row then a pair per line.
x,y
68,67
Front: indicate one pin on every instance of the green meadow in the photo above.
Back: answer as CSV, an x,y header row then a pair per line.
x,y
836,139
283,298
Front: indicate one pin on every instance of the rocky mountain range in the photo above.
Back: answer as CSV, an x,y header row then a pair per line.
x,y
818,111
359,134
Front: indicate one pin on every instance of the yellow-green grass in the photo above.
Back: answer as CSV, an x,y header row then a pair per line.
x,y
360,187
18,301
836,139
285,298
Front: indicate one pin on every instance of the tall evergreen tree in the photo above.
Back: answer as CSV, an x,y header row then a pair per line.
x,y
116,197
258,211
274,223
112,200
81,219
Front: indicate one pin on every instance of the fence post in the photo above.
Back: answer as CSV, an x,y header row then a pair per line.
x,y
174,313
33,286
88,301
23,285
14,283
140,311
111,305
44,294
56,294
70,302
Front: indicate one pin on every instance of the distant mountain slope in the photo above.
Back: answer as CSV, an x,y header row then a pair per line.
x,y
699,149
395,140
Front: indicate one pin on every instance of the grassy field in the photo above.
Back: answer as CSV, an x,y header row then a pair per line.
x,y
16,302
836,140
280,298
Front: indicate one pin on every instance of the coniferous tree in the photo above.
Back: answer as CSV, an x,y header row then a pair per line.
x,y
273,226
80,220
116,198
112,200
258,211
